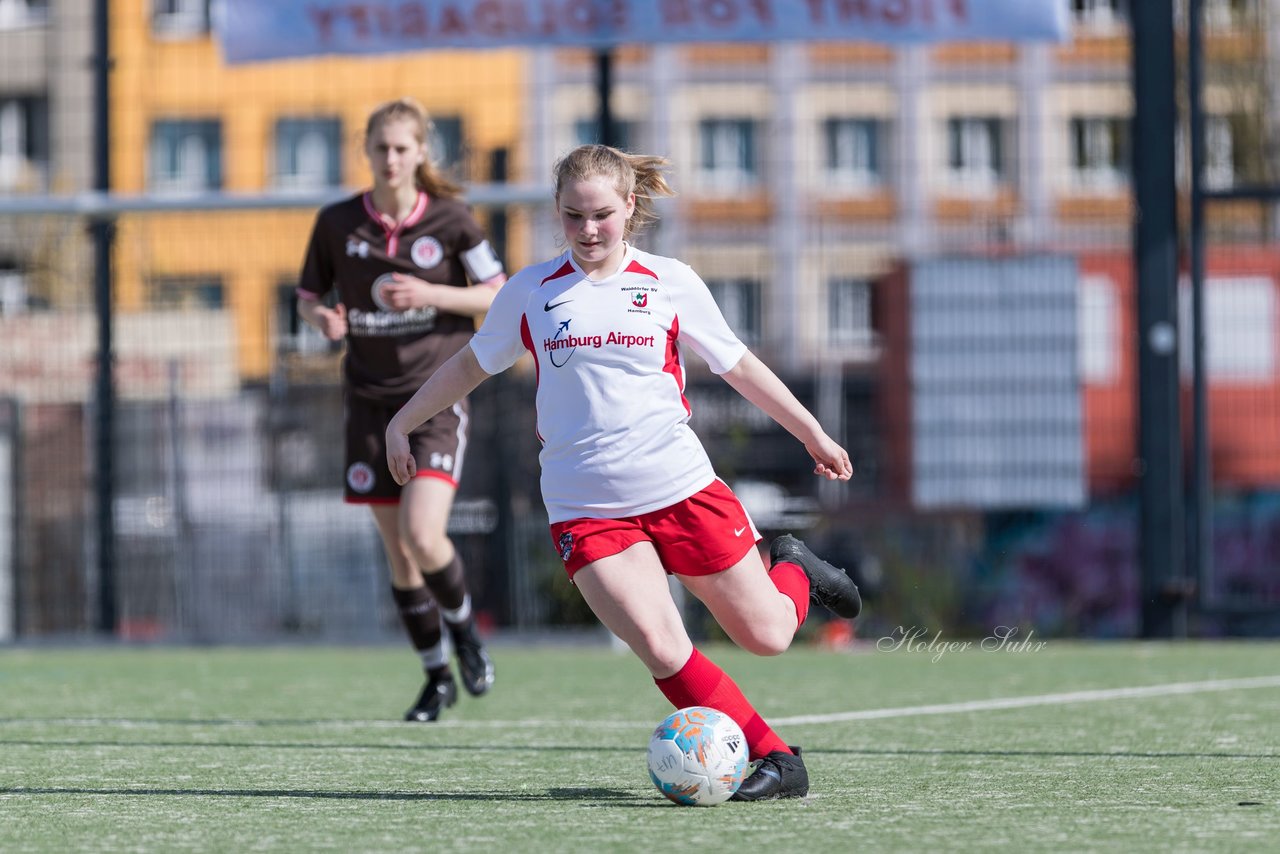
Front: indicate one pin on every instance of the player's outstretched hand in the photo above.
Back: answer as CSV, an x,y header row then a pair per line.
x,y
333,321
831,460
399,460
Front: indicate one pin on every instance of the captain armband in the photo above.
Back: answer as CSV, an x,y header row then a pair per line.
x,y
481,262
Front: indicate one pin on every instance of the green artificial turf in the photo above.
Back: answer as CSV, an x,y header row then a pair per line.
x,y
1065,747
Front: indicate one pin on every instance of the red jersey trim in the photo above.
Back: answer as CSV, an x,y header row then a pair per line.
x,y
438,475
419,210
563,271
527,337
671,364
393,234
637,267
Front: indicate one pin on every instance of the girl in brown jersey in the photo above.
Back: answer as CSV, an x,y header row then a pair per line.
x,y
402,256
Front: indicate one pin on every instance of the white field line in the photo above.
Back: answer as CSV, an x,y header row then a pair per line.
x,y
996,703
1039,700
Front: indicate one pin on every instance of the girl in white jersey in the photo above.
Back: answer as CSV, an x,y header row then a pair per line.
x,y
629,490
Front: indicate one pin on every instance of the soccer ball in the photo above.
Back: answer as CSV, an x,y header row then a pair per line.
x,y
698,756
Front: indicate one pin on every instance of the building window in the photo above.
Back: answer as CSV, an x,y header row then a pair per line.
x,y
16,14
186,292
447,145
849,312
180,18
587,132
308,153
1240,345
854,151
186,155
1097,330
1220,15
728,156
24,143
14,293
1100,152
1220,158
1100,15
739,301
976,156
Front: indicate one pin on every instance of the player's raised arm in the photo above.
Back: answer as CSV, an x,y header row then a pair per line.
x,y
454,380
754,380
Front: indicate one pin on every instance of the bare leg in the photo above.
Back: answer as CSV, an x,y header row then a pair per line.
x,y
747,605
628,592
423,518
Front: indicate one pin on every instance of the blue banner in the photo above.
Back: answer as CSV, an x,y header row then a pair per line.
x,y
254,30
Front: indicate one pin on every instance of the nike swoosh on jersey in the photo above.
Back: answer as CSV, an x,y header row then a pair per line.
x,y
737,532
552,305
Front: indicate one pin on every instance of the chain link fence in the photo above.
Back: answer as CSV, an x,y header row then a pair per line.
x,y
931,244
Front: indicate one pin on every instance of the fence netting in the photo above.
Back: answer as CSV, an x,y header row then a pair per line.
x,y
932,245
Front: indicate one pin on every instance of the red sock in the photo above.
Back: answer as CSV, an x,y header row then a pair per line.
x,y
701,683
794,584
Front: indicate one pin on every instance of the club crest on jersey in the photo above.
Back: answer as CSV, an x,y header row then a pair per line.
x,y
389,321
565,545
378,291
639,296
426,252
360,477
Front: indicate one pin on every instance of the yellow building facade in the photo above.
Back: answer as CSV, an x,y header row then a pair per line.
x,y
169,73
804,170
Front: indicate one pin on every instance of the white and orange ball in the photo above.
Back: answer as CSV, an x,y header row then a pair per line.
x,y
697,757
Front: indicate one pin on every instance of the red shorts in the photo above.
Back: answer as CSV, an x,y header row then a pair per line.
x,y
706,533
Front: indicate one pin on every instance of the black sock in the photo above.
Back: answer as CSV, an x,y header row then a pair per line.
x,y
449,587
421,618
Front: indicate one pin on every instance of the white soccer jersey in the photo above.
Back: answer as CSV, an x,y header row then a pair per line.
x,y
612,416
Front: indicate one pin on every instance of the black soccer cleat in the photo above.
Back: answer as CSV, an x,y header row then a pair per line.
x,y
829,586
777,775
439,693
474,662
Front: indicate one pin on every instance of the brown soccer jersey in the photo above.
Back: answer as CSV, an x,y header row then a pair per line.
x,y
391,353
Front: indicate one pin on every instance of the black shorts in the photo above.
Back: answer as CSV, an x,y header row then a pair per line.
x,y
438,447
